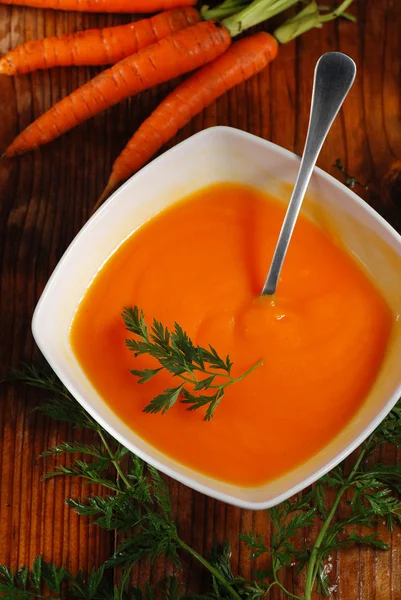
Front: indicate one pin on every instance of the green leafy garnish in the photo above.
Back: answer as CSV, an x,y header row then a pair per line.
x,y
198,368
28,584
343,507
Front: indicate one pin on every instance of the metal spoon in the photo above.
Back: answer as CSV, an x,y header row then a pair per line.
x,y
334,75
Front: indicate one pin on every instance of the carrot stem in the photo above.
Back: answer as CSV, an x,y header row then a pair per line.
x,y
337,12
223,10
345,15
309,18
257,12
306,19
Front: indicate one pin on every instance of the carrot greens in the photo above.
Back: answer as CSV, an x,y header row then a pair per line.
x,y
197,368
223,10
312,16
344,505
237,18
253,14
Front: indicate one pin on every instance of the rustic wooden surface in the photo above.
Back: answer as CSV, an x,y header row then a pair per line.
x,y
46,197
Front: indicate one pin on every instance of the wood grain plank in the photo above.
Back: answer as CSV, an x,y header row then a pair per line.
x,y
374,59
35,232
48,195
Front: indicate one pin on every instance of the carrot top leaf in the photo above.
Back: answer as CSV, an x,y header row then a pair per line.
x,y
237,16
308,18
257,12
344,509
223,10
198,369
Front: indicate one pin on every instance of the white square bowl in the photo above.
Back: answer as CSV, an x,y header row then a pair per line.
x,y
222,154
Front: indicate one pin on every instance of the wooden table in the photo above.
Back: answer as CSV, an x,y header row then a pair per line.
x,y
46,197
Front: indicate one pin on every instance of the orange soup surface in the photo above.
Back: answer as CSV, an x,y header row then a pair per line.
x,y
202,262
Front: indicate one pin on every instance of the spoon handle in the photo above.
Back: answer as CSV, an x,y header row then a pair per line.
x,y
334,75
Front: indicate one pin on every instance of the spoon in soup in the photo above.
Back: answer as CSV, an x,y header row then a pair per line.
x,y
334,75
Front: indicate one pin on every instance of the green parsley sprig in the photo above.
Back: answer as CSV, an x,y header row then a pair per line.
x,y
199,369
137,504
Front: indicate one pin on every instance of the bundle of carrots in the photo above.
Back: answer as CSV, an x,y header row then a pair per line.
x,y
151,51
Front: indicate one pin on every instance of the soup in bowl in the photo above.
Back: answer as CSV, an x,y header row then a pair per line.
x,y
189,240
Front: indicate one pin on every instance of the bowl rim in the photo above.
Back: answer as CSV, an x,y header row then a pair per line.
x,y
156,463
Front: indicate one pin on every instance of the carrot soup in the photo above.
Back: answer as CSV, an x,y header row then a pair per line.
x,y
202,262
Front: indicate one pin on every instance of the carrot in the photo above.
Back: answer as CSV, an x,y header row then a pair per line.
x,y
172,56
107,6
96,46
244,59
